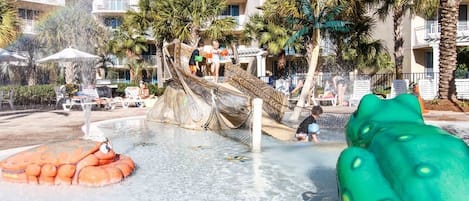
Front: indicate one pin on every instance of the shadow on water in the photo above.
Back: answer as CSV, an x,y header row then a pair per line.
x,y
325,183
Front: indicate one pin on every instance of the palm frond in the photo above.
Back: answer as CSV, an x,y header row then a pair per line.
x,y
307,10
297,35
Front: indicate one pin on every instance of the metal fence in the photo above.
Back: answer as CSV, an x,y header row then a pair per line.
x,y
379,82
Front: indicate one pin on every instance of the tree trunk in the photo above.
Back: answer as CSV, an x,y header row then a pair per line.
x,y
398,41
313,56
159,65
234,48
448,55
195,37
32,76
69,73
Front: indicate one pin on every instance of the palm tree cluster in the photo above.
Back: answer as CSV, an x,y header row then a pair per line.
x,y
297,24
9,24
163,21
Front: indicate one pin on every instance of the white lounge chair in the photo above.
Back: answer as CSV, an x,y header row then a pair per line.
x,y
324,98
427,89
462,89
360,89
10,98
132,96
60,94
398,87
89,97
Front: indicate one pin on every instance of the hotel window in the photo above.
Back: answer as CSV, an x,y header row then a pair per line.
x,y
231,10
428,63
27,14
112,22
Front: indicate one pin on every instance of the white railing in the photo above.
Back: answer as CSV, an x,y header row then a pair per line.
x,y
431,32
111,5
27,26
49,2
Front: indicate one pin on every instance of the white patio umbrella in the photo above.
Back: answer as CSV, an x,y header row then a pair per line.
x,y
68,54
7,56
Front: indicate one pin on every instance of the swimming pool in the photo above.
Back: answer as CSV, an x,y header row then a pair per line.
x,y
180,164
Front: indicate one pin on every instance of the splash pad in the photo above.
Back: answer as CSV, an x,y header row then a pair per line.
x,y
181,164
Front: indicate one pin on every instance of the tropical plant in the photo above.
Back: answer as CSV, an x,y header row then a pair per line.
x,y
71,26
357,50
312,19
9,24
130,43
144,20
185,20
190,20
448,55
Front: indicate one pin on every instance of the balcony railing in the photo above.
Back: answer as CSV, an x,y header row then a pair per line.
x,y
150,59
27,26
111,6
49,2
431,32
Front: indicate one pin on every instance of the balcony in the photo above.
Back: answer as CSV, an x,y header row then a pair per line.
x,y
112,7
27,26
426,35
47,2
150,59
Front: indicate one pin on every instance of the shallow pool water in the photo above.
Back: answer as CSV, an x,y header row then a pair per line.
x,y
180,164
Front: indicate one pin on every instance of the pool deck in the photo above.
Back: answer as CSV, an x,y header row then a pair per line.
x,y
31,127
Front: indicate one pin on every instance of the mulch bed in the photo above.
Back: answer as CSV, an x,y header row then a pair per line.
x,y
447,105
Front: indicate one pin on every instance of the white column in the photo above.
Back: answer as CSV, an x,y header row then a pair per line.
x,y
256,124
436,66
259,65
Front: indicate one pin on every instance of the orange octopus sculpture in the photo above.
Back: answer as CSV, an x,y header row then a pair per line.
x,y
83,162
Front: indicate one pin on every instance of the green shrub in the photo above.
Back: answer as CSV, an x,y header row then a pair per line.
x,y
31,95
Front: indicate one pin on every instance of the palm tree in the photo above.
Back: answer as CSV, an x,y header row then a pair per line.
x,y
356,50
145,20
9,24
70,26
448,55
185,20
188,20
310,23
130,43
270,32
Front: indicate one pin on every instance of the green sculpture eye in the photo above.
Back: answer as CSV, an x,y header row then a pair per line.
x,y
425,170
346,196
364,131
357,162
404,138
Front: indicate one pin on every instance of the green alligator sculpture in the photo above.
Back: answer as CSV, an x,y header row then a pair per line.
x,y
394,156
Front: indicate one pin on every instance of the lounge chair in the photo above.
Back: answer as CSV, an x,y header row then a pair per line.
x,y
89,97
360,89
132,96
325,97
427,89
462,89
398,87
10,98
60,94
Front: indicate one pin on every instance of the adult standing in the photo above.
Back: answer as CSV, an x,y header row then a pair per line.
x,y
340,86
